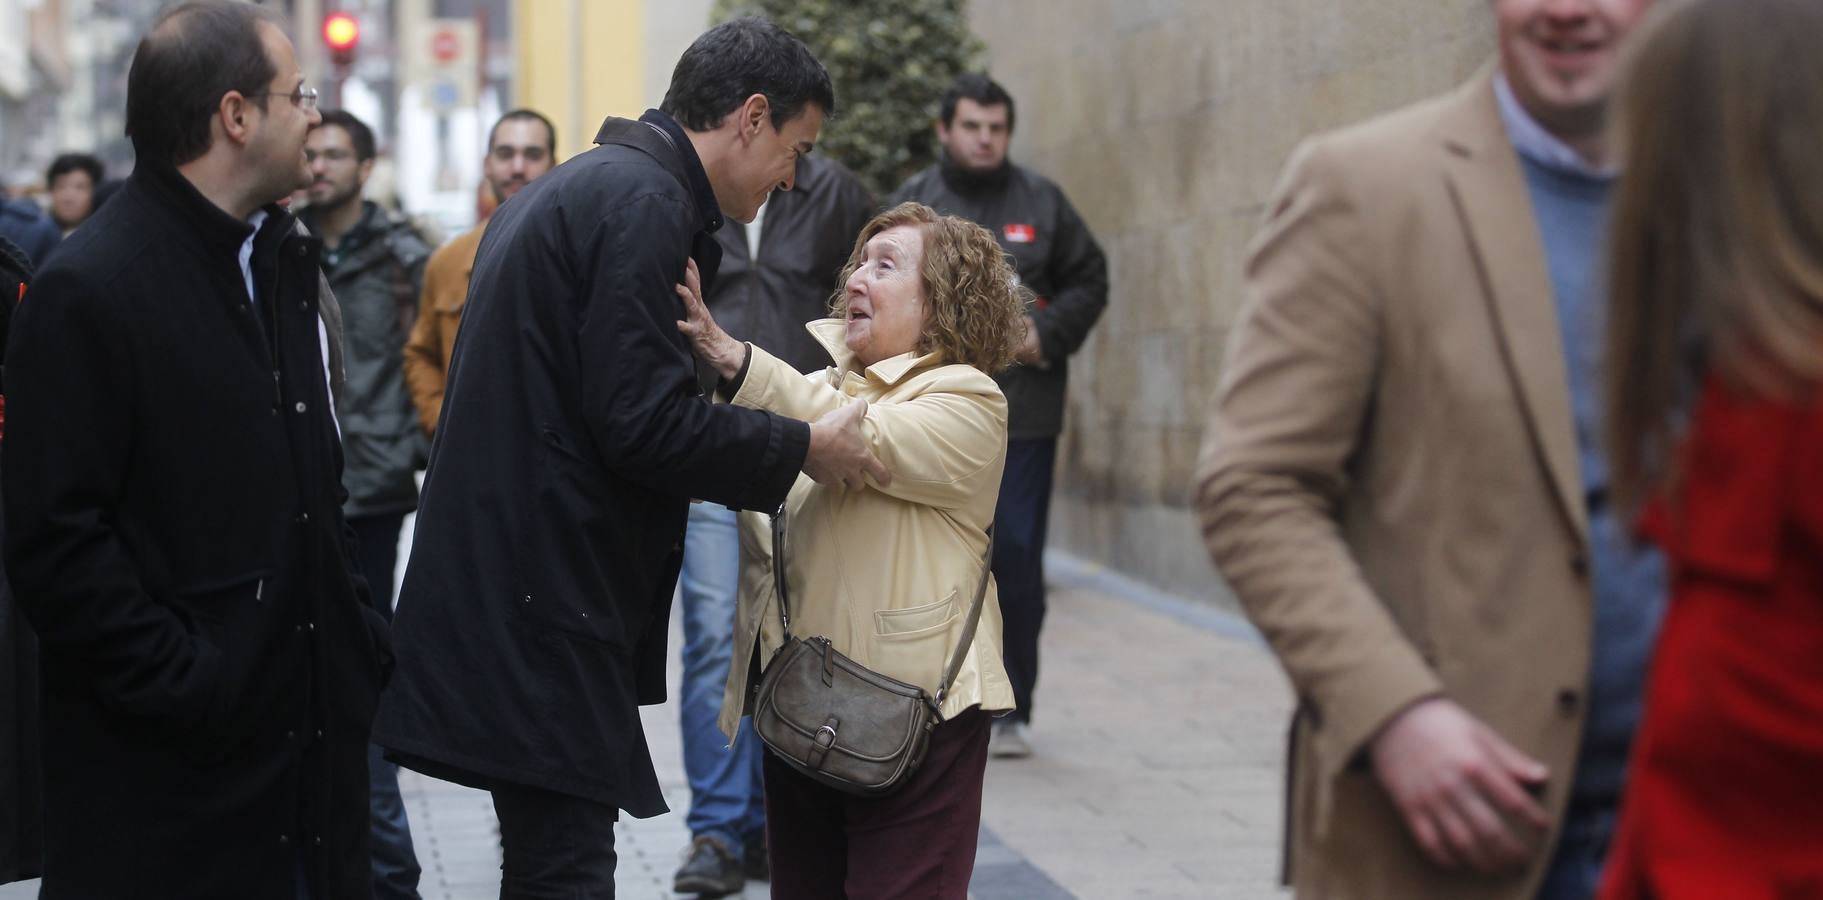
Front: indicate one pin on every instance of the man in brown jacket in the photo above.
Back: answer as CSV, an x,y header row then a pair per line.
x,y
521,147
1403,482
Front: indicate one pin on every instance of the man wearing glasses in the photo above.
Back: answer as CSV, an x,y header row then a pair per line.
x,y
210,658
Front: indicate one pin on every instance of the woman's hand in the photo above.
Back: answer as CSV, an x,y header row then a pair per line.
x,y
707,340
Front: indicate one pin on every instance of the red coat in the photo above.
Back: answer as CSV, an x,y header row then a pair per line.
x,y
1725,794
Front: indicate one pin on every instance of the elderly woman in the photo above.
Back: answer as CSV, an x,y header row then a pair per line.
x,y
929,309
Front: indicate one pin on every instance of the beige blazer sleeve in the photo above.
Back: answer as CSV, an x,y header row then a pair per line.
x,y
943,443
1290,411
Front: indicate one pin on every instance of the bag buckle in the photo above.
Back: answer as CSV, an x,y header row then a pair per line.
x,y
822,741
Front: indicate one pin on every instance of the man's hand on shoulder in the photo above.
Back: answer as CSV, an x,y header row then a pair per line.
x,y
1461,788
838,453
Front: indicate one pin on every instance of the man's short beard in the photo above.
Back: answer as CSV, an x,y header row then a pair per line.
x,y
339,200
500,188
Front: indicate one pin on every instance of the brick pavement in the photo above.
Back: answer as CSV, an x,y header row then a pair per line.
x,y
1159,737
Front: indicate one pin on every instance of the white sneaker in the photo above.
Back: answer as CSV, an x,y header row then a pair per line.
x,y
1008,740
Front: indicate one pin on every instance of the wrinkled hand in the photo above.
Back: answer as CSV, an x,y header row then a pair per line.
x,y
1029,352
707,340
838,453
1452,778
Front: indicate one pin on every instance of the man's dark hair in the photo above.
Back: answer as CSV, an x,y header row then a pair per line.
x,y
194,55
523,113
74,162
978,87
358,132
740,58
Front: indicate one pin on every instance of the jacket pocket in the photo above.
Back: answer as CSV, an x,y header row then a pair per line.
x,y
915,657
914,618
227,617
216,601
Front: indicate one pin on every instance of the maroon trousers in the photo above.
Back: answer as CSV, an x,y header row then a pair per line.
x,y
918,842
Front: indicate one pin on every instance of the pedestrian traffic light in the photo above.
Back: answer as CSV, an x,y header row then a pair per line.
x,y
342,33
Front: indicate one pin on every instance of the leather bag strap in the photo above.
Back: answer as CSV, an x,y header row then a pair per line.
x,y
968,630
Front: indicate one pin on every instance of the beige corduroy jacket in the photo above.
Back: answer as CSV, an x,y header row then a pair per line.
x,y
886,574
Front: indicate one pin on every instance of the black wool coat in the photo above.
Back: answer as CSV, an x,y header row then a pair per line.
x,y
532,620
209,660
21,785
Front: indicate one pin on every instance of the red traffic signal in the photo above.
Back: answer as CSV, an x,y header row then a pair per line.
x,y
342,32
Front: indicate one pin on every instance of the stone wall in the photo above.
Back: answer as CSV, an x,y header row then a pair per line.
x,y
1166,122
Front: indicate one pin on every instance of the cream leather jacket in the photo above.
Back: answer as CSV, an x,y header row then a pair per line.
x,y
886,574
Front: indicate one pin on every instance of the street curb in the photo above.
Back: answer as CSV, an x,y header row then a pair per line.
x,y
1069,570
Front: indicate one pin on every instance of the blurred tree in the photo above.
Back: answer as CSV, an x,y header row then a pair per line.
x,y
891,61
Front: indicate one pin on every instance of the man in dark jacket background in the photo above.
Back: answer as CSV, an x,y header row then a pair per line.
x,y
777,273
209,662
533,618
1058,259
375,266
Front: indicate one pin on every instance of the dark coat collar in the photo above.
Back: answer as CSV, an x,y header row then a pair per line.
x,y
966,182
171,191
660,137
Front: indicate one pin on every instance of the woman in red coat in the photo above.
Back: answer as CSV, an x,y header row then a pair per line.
x,y
1716,429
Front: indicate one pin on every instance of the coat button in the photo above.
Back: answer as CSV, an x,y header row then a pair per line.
x,y
291,735
284,839
1567,702
303,251
318,841
303,306
300,407
1579,565
319,734
303,518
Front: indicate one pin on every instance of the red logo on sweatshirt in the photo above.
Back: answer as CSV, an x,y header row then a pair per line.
x,y
1020,234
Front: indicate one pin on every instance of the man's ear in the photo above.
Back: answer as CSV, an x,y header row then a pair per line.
x,y
235,114
941,129
755,114
364,170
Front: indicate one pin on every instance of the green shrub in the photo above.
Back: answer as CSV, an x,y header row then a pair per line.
x,y
891,61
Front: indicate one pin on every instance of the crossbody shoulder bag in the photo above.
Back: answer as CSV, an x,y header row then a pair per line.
x,y
838,722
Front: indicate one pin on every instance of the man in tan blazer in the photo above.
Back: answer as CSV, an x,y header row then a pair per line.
x,y
1403,482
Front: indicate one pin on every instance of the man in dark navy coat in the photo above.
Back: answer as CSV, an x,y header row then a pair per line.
x,y
532,621
209,661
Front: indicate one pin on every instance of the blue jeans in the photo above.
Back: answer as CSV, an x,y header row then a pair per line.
x,y
726,798
1576,866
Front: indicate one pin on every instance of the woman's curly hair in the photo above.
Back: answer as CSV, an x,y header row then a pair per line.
x,y
974,301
